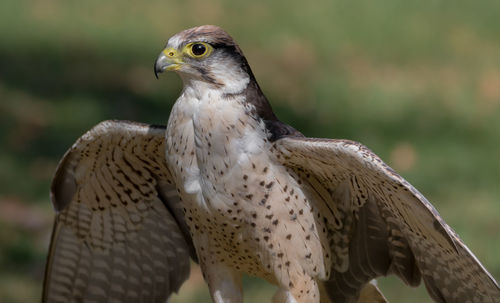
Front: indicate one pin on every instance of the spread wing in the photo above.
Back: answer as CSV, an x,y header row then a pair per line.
x,y
119,233
383,225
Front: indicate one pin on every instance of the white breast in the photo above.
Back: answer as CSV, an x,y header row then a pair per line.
x,y
216,140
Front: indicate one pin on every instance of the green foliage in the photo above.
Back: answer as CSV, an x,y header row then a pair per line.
x,y
417,82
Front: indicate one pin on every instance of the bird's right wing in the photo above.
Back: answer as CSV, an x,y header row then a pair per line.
x,y
119,233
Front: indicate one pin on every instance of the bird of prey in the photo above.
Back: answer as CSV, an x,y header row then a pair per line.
x,y
230,186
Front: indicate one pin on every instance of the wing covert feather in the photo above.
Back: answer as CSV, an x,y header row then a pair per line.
x,y
119,233
394,228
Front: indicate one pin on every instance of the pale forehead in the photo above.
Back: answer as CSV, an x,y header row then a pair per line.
x,y
206,33
175,41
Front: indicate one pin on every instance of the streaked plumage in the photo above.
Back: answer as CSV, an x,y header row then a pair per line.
x,y
239,191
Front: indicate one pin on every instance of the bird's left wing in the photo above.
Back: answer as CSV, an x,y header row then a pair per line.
x,y
119,233
382,224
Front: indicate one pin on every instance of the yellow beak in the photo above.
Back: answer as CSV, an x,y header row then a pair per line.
x,y
168,60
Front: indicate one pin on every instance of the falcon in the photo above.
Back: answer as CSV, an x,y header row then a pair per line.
x,y
233,188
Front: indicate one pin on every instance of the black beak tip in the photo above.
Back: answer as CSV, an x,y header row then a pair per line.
x,y
156,71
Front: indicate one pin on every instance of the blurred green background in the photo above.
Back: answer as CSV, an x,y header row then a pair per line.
x,y
418,82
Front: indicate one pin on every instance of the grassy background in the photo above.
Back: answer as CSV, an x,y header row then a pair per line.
x,y
418,82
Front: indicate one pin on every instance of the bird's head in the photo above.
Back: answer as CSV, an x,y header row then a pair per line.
x,y
205,53
208,57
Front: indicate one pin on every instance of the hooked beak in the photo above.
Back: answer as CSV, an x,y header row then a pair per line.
x,y
168,60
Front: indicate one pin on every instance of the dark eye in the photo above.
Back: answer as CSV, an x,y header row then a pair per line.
x,y
198,49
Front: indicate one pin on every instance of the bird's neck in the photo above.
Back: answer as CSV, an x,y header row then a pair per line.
x,y
224,112
216,82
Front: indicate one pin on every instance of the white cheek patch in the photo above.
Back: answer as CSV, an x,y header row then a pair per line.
x,y
234,78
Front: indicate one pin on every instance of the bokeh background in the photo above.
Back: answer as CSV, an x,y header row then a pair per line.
x,y
418,82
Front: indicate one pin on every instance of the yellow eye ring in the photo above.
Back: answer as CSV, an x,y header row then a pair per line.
x,y
198,49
